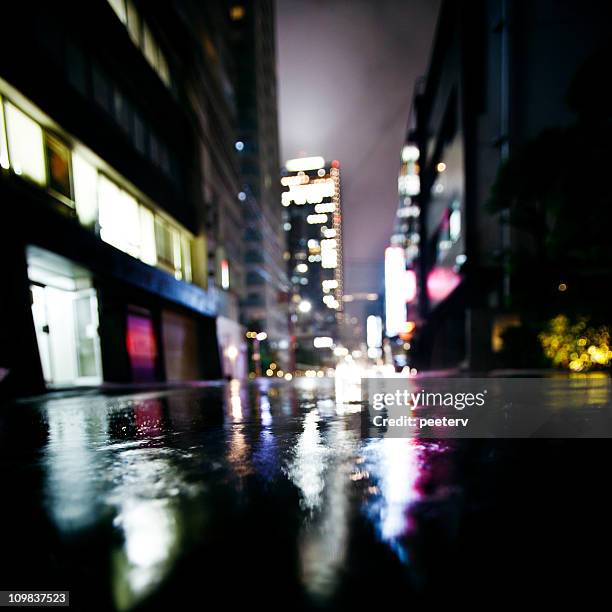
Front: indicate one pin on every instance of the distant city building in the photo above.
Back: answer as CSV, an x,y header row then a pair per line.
x,y
122,215
313,224
358,308
264,307
402,257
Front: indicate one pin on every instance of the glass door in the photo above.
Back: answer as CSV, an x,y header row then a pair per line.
x,y
41,325
66,324
87,340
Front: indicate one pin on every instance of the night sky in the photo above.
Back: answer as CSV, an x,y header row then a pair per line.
x,y
346,72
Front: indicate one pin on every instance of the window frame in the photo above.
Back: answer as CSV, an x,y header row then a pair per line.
x,y
51,140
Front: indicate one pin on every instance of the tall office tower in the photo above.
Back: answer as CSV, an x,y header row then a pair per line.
x,y
264,308
117,171
313,222
211,91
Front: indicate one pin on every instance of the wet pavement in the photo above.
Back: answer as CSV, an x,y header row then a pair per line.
x,y
270,495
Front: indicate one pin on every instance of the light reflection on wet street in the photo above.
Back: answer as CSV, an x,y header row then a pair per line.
x,y
270,494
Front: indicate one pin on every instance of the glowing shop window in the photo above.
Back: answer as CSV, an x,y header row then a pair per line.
x,y
131,224
148,252
176,253
85,178
172,253
163,243
109,200
4,160
186,244
119,217
25,144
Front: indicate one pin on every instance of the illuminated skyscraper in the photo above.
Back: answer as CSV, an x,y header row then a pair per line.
x,y
313,222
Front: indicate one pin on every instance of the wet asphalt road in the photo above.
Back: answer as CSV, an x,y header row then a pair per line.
x,y
270,496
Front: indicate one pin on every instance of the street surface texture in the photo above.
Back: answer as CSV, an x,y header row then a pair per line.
x,y
269,495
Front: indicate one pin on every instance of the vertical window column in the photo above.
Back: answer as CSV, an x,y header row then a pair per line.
x,y
85,178
4,158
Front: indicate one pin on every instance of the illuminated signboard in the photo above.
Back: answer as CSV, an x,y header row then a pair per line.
x,y
395,290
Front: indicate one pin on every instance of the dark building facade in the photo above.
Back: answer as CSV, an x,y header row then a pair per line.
x,y
121,227
498,76
264,307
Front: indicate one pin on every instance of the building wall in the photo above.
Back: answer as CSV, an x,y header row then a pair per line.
x,y
215,123
253,44
150,110
502,69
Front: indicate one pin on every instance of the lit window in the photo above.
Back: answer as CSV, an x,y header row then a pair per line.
x,y
110,206
313,219
119,7
162,68
328,285
186,259
85,179
4,160
329,255
142,37
328,207
119,217
58,162
163,244
148,253
176,253
133,23
131,224
149,48
170,249
25,144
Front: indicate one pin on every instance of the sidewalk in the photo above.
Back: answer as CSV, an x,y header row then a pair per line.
x,y
118,389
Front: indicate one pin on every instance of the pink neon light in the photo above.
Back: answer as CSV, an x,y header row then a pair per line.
x,y
441,282
411,286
